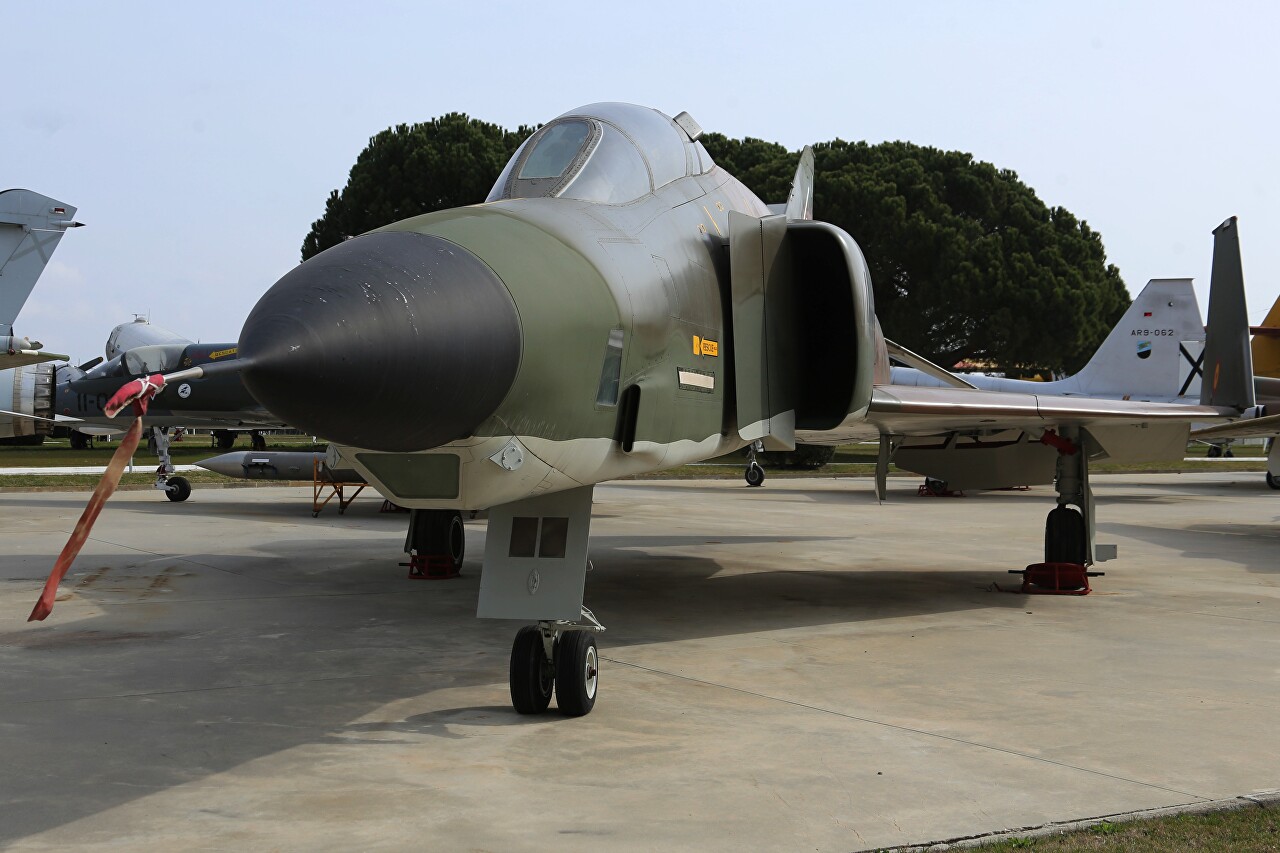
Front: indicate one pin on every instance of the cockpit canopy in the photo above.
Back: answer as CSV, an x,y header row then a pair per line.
x,y
606,153
141,361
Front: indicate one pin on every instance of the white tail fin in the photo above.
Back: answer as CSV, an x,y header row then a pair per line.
x,y
30,227
1155,349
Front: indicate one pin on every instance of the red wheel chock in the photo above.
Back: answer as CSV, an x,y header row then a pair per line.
x,y
431,567
1056,579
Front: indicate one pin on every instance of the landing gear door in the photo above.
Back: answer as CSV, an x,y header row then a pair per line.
x,y
764,350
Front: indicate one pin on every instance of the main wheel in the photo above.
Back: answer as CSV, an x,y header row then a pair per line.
x,y
532,675
935,487
577,673
1215,451
457,540
80,441
755,475
178,489
1273,481
1064,537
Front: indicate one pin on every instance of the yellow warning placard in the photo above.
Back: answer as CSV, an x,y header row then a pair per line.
x,y
220,353
702,346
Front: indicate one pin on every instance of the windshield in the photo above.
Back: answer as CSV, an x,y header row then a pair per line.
x,y
163,358
141,361
555,150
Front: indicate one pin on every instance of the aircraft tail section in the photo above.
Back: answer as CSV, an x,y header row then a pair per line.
x,y
31,225
800,201
1155,349
1228,364
1266,344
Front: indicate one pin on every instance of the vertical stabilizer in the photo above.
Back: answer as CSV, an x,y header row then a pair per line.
x,y
800,201
1228,364
30,227
1153,351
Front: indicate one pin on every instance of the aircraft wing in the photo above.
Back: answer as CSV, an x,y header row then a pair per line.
x,y
914,410
1263,427
21,357
56,419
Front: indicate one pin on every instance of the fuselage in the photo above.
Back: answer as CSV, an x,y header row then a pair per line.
x,y
619,318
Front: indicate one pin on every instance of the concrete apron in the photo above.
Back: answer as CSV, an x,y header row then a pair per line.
x,y
785,667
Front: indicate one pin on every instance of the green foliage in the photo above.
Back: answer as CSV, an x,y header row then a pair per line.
x,y
412,169
966,261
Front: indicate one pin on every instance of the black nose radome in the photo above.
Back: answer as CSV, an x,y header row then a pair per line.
x,y
391,341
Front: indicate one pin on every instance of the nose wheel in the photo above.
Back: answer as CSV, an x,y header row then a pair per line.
x,y
560,658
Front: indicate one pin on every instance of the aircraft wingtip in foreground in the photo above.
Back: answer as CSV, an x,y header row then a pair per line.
x,y
620,304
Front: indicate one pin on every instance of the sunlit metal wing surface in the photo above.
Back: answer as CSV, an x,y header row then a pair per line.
x,y
912,410
972,439
1263,427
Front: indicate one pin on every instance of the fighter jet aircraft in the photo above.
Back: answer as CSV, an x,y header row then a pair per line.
x,y
47,393
31,226
618,305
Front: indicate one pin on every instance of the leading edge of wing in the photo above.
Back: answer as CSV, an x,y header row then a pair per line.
x,y
906,409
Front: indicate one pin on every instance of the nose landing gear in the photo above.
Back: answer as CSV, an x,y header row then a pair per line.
x,y
559,657
755,473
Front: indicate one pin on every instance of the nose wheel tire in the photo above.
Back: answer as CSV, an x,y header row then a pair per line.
x,y
177,489
577,673
532,675
1273,481
755,475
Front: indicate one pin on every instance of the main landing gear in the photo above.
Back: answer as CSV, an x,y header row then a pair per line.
x,y
559,657
1068,531
436,544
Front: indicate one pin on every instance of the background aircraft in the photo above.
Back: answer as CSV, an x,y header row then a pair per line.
x,y
31,226
620,305
75,396
1152,354
1265,420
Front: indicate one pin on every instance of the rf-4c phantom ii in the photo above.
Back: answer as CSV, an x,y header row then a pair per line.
x,y
618,305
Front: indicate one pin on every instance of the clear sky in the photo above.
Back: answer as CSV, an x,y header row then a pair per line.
x,y
200,140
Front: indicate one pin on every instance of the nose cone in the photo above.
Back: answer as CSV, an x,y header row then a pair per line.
x,y
392,341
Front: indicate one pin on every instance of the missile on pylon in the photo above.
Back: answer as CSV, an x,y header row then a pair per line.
x,y
279,465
